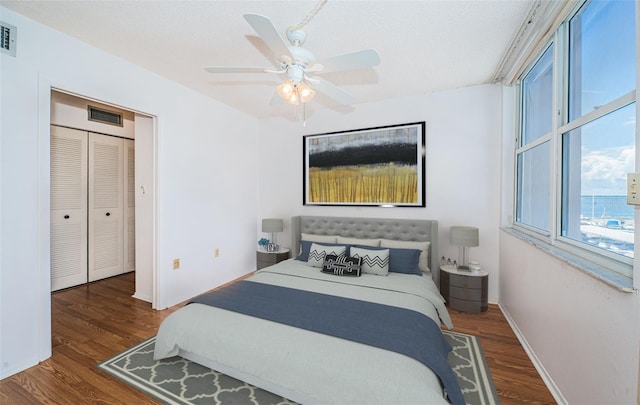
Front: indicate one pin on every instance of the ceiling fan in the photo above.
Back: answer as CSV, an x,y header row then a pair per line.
x,y
298,63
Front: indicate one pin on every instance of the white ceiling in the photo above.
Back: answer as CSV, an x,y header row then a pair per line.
x,y
424,46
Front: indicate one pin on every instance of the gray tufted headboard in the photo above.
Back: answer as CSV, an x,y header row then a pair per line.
x,y
397,229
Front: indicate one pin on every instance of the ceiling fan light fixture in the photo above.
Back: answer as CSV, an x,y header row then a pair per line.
x,y
306,93
295,93
286,89
292,99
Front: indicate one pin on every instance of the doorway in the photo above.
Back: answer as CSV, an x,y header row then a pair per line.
x,y
115,209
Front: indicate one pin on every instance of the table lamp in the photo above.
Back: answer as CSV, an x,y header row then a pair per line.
x,y
272,225
463,237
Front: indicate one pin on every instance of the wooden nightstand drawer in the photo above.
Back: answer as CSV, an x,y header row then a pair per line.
x,y
269,257
465,281
266,259
470,294
464,291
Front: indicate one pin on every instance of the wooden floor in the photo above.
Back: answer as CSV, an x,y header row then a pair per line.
x,y
514,376
94,322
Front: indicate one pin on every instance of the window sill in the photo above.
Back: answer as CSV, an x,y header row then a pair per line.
x,y
615,280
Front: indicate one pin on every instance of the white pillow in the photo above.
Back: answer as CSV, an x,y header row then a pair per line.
x,y
318,238
373,261
357,241
317,253
423,261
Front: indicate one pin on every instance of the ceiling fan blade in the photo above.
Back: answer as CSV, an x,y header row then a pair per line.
x,y
264,27
237,69
331,90
356,60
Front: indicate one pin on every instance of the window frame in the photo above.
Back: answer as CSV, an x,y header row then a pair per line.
x,y
544,235
611,267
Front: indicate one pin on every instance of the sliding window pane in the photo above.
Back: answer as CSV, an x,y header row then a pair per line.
x,y
537,98
595,161
602,55
532,206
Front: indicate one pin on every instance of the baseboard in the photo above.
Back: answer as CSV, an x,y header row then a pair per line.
x,y
546,378
142,297
17,368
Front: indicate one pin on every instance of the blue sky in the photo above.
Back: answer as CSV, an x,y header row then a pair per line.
x,y
608,69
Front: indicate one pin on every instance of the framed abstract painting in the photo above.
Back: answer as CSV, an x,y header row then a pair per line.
x,y
382,166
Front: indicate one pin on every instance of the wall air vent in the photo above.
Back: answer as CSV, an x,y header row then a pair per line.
x,y
105,117
9,38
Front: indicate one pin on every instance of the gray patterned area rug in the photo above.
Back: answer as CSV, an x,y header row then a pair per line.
x,y
180,381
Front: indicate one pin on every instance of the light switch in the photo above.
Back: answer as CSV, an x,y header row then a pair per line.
x,y
633,188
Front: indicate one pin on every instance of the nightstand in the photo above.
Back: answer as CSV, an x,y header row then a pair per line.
x,y
465,291
266,259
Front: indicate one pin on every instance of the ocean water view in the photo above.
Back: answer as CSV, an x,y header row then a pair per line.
x,y
605,206
608,223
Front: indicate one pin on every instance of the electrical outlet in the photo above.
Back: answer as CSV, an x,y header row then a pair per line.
x,y
216,252
176,264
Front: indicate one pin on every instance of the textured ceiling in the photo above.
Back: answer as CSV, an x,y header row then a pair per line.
x,y
424,45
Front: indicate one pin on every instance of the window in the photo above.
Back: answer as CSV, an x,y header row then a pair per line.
x,y
601,55
596,159
532,206
537,90
588,73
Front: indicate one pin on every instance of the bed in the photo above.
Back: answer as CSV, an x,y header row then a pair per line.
x,y
282,349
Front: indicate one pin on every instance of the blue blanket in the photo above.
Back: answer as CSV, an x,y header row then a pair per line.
x,y
396,329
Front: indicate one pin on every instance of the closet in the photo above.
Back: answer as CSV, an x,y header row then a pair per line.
x,y
92,193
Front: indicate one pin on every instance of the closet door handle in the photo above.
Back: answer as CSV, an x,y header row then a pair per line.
x,y
66,217
108,213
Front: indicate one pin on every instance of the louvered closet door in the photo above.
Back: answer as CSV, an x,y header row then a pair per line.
x,y
106,210
130,206
68,207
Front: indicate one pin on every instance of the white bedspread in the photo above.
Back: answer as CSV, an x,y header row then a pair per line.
x,y
305,366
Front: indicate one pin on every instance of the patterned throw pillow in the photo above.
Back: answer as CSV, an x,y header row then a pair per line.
x,y
373,261
305,249
341,265
318,252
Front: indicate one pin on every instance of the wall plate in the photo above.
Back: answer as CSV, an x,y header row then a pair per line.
x,y
633,188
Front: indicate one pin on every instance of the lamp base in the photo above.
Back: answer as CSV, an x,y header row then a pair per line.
x,y
462,257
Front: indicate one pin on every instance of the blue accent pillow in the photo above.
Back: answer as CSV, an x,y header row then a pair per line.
x,y
403,261
306,248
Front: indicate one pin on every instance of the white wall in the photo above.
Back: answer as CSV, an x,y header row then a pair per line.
x,y
585,333
206,180
462,164
145,210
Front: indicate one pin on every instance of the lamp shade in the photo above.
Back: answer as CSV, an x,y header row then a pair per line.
x,y
464,236
272,225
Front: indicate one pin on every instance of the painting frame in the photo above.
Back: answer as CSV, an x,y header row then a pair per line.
x,y
381,166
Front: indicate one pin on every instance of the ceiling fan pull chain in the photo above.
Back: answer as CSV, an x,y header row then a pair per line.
x,y
311,14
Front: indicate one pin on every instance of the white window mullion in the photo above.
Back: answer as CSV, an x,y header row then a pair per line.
x,y
560,102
